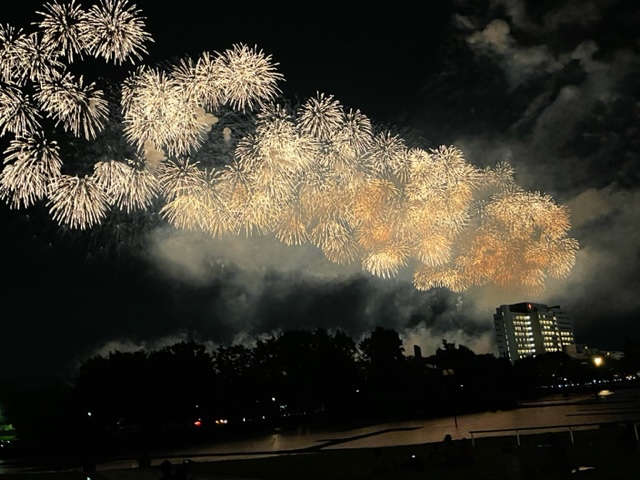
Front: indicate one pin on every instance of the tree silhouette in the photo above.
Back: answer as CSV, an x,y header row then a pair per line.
x,y
235,372
385,371
183,384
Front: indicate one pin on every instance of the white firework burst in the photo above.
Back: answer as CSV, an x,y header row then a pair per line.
x,y
199,208
202,81
62,25
18,114
321,117
387,261
76,202
38,61
81,109
248,77
130,186
115,31
180,177
357,130
31,165
158,110
386,154
9,54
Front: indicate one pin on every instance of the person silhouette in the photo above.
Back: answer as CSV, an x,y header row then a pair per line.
x,y
449,450
181,473
378,464
444,452
167,470
466,452
557,458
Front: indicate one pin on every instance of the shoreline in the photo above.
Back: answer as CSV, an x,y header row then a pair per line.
x,y
355,443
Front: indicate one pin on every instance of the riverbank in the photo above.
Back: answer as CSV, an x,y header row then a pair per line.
x,y
597,432
607,453
492,459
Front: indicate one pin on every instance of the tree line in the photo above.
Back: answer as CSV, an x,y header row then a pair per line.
x,y
183,392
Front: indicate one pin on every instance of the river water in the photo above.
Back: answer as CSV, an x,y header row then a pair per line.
x,y
553,411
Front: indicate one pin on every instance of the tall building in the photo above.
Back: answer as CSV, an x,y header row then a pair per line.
x,y
525,329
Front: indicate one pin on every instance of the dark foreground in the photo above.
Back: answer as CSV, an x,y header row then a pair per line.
x,y
597,437
609,452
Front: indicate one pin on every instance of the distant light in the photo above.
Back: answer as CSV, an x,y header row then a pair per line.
x,y
88,414
273,399
198,423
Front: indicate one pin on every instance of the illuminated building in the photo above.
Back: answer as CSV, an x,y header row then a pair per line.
x,y
526,329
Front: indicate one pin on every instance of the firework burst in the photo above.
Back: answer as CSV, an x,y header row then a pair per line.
x,y
114,31
64,28
248,77
77,202
80,108
210,146
32,163
18,114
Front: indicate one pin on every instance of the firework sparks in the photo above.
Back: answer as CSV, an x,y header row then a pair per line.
x,y
156,109
130,186
63,28
9,53
32,164
80,108
18,114
114,30
248,77
37,60
321,117
319,175
78,202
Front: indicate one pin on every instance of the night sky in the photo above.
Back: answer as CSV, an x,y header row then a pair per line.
x,y
553,88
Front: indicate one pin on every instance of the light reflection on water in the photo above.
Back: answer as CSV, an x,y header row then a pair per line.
x,y
554,410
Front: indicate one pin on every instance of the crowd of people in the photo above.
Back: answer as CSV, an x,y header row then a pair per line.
x,y
180,472
460,453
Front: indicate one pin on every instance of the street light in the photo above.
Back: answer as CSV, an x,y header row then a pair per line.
x,y
598,361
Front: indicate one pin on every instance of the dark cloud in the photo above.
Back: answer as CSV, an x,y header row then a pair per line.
x,y
561,105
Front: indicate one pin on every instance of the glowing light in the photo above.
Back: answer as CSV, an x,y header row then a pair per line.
x,y
248,77
32,164
9,54
156,109
80,108
130,186
78,202
114,30
318,175
17,112
63,28
36,61
320,117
